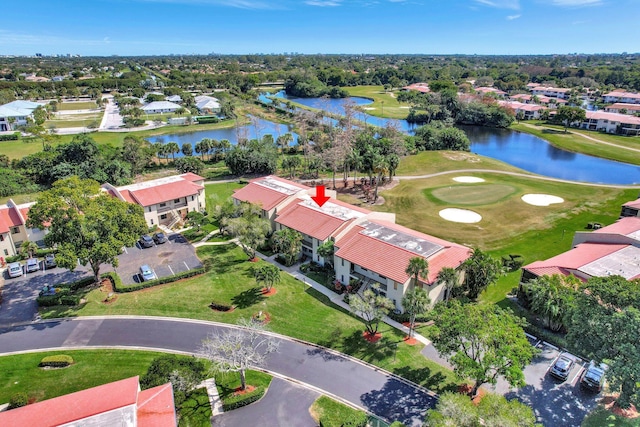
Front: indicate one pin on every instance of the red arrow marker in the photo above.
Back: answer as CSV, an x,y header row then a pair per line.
x,y
320,198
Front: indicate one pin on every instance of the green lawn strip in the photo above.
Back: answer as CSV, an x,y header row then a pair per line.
x,y
384,104
218,193
429,162
602,417
195,411
229,383
330,413
20,373
77,123
86,105
296,310
571,142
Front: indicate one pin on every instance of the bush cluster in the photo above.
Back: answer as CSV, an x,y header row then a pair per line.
x,y
18,399
244,402
65,294
10,137
118,287
205,120
56,361
355,420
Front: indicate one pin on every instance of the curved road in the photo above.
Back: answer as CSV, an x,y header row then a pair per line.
x,y
361,384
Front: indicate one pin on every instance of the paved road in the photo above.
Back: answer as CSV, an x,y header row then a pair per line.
x,y
363,385
284,405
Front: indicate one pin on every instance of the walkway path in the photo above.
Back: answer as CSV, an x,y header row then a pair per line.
x,y
340,376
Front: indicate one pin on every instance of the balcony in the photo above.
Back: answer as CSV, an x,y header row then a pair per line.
x,y
168,208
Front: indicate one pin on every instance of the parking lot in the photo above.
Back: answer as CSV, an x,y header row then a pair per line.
x,y
555,402
19,294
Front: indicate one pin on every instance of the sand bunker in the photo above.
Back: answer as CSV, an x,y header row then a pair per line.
x,y
368,108
468,179
541,199
460,215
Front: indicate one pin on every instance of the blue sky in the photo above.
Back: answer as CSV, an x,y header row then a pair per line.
x,y
157,27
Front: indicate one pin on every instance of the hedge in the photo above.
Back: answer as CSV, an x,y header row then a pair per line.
x,y
10,137
60,298
161,281
18,399
205,120
115,279
56,361
356,420
244,402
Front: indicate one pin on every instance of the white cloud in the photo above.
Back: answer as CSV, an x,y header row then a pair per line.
x,y
576,3
324,3
512,17
239,4
501,4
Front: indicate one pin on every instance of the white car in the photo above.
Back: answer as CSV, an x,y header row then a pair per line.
x,y
15,269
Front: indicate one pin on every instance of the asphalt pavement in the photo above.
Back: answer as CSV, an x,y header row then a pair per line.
x,y
363,385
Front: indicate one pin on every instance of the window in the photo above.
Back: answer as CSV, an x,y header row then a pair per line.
x,y
149,208
151,222
176,200
163,216
162,205
15,230
1,237
395,285
6,252
192,198
342,260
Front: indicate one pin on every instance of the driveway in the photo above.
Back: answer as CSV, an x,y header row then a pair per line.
x,y
363,385
284,405
19,294
173,257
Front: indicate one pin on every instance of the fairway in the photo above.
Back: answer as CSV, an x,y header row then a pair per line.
x,y
473,195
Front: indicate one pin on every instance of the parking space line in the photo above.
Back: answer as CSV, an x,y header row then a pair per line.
x,y
170,269
185,264
552,363
125,250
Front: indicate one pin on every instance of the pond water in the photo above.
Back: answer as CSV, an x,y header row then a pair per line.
x,y
522,150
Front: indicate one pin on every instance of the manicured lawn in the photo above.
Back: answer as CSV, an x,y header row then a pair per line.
x,y
195,411
76,123
333,413
20,373
604,418
295,310
82,105
219,193
384,103
228,383
429,162
571,141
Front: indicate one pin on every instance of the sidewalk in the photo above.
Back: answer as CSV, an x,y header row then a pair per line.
x,y
334,297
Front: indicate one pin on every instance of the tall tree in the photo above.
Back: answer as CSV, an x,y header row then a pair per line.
x,y
87,226
250,229
137,152
551,297
482,342
238,349
568,115
481,270
417,267
267,274
450,278
372,307
416,302
187,149
286,242
172,148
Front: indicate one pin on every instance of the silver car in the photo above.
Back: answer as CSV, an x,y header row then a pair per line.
x,y
147,273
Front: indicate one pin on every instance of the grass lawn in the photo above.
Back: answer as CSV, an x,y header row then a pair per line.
x,y
219,193
602,417
429,162
228,383
334,414
572,141
20,373
77,123
195,411
384,103
295,310
82,105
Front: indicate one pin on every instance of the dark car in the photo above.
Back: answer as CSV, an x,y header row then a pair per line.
x,y
593,377
160,238
50,261
146,241
562,366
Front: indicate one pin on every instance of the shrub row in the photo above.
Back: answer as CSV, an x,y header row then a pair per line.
x,y
56,361
161,281
58,299
356,420
244,402
40,253
115,279
205,120
10,137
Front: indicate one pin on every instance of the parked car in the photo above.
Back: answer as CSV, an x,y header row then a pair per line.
x,y
50,261
33,265
15,269
593,377
146,241
562,366
160,238
147,273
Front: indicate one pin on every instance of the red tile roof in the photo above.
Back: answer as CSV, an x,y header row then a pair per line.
x,y
623,226
613,117
575,258
390,260
257,192
310,221
9,218
189,176
156,407
165,192
74,406
633,204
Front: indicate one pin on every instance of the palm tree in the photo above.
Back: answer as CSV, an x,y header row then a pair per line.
x,y
29,248
283,141
268,274
416,302
449,277
417,267
225,146
172,148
